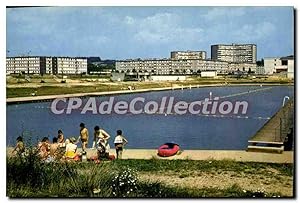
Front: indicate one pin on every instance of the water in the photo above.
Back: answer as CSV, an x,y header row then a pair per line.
x,y
150,131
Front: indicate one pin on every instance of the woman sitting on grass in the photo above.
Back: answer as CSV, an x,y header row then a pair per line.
x,y
71,148
44,148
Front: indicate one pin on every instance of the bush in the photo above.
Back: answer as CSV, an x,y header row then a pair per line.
x,y
30,172
124,183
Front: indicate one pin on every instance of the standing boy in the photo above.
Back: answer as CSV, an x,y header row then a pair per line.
x,y
83,137
120,142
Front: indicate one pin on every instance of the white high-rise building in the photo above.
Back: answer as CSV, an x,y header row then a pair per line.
x,y
188,55
234,53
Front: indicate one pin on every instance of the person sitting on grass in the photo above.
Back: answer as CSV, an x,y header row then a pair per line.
x,y
54,148
60,139
120,142
44,148
20,147
71,148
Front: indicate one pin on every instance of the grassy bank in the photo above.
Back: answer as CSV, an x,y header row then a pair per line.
x,y
70,88
28,177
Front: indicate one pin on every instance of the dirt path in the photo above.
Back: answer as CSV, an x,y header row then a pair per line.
x,y
269,180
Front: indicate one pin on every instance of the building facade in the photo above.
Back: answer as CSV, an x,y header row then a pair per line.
x,y
29,65
171,66
69,65
177,55
234,53
279,64
46,65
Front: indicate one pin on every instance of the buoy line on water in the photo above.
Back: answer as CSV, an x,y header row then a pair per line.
x,y
214,115
221,97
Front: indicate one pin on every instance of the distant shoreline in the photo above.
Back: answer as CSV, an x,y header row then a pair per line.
x,y
30,99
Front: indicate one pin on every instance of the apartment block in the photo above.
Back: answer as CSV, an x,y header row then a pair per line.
x,y
46,65
279,64
170,66
234,53
29,65
70,65
177,55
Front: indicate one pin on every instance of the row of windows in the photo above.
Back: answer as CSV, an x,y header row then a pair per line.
x,y
23,61
166,66
18,59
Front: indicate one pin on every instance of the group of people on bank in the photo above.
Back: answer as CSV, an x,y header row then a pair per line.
x,y
62,148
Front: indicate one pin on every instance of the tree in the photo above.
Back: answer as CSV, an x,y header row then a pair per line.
x,y
260,63
92,68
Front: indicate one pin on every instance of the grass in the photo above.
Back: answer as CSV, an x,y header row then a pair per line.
x,y
53,88
27,176
156,165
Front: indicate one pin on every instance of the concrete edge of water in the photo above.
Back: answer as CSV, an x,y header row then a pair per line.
x,y
86,94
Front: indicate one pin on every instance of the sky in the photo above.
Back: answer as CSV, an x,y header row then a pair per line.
x,y
146,32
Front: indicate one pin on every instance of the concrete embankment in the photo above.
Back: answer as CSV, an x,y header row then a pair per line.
x,y
243,156
236,155
105,93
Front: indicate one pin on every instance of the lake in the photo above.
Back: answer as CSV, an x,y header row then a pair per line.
x,y
190,131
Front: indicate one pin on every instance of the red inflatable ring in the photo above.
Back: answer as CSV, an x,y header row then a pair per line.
x,y
168,149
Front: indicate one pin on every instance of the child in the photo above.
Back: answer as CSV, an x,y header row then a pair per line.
x,y
83,137
20,147
120,142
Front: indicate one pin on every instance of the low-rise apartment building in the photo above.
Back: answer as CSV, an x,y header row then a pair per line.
x,y
279,64
170,66
46,65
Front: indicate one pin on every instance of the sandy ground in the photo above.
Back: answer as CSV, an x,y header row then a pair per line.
x,y
243,156
237,155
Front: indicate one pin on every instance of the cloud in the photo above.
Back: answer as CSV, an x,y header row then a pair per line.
x,y
223,12
253,32
146,32
163,28
129,20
